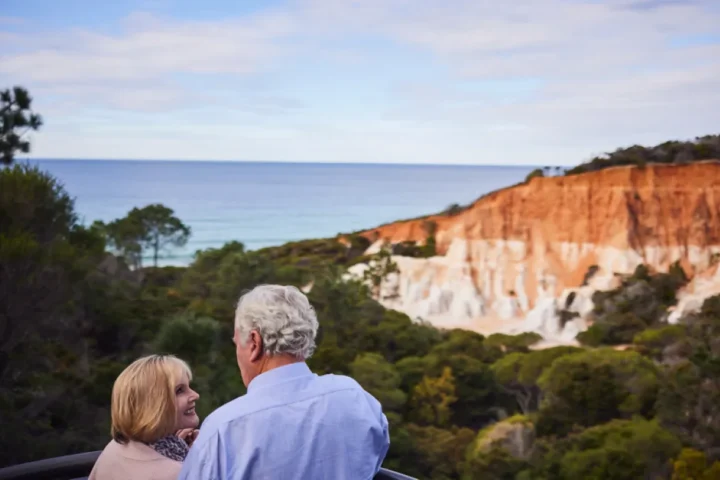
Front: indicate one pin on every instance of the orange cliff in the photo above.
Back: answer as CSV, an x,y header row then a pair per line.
x,y
514,248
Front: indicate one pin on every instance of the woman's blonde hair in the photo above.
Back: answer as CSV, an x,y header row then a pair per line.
x,y
143,398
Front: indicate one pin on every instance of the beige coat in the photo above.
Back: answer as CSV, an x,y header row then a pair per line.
x,y
134,461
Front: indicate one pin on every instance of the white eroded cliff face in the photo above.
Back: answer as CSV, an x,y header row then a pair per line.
x,y
691,297
484,286
519,257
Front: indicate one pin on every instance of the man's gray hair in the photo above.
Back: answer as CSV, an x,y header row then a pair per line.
x,y
282,315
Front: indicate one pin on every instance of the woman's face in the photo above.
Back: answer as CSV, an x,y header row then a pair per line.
x,y
185,399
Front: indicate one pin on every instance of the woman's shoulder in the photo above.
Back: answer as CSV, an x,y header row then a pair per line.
x,y
133,460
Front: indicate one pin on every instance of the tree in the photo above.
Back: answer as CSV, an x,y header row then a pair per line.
x,y
518,374
430,248
692,464
640,302
702,148
453,209
507,371
495,464
690,391
614,329
380,378
378,269
654,341
160,227
537,173
513,343
412,369
479,398
595,386
123,236
344,310
153,228
432,398
37,249
45,261
395,336
466,342
16,120
620,449
587,395
216,290
439,453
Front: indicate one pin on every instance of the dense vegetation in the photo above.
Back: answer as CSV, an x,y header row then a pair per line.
x,y
76,306
672,152
678,152
641,302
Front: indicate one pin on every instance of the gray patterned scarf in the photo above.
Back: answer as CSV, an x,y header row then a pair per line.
x,y
171,447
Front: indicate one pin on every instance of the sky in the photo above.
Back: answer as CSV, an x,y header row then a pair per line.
x,y
521,82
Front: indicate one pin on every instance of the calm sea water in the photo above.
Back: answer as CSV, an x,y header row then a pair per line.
x,y
264,204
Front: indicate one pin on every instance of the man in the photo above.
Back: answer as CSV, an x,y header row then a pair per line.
x,y
291,424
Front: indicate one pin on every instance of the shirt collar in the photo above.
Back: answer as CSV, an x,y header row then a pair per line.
x,y
279,375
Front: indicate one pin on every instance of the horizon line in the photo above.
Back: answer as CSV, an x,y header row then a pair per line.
x,y
286,162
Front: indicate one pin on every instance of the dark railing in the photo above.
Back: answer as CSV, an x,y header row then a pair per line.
x,y
78,467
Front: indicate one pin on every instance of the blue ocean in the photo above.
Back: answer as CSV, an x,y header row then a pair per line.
x,y
265,204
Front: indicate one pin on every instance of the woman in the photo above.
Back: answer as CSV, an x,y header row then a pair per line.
x,y
153,421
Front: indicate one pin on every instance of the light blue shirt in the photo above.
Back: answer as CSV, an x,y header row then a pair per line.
x,y
292,424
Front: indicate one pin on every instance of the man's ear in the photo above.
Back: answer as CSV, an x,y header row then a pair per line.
x,y
257,347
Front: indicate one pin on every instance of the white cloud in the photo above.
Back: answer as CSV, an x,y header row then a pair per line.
x,y
549,37
604,74
608,73
150,48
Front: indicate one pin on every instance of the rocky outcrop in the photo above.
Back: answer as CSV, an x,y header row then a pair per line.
x,y
516,435
513,258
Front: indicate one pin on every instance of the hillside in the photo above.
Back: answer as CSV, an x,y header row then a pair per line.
x,y
670,152
511,249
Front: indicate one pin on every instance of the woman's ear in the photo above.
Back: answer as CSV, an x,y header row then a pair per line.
x,y
257,347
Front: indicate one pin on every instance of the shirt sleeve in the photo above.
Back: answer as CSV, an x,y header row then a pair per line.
x,y
384,443
201,462
381,442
